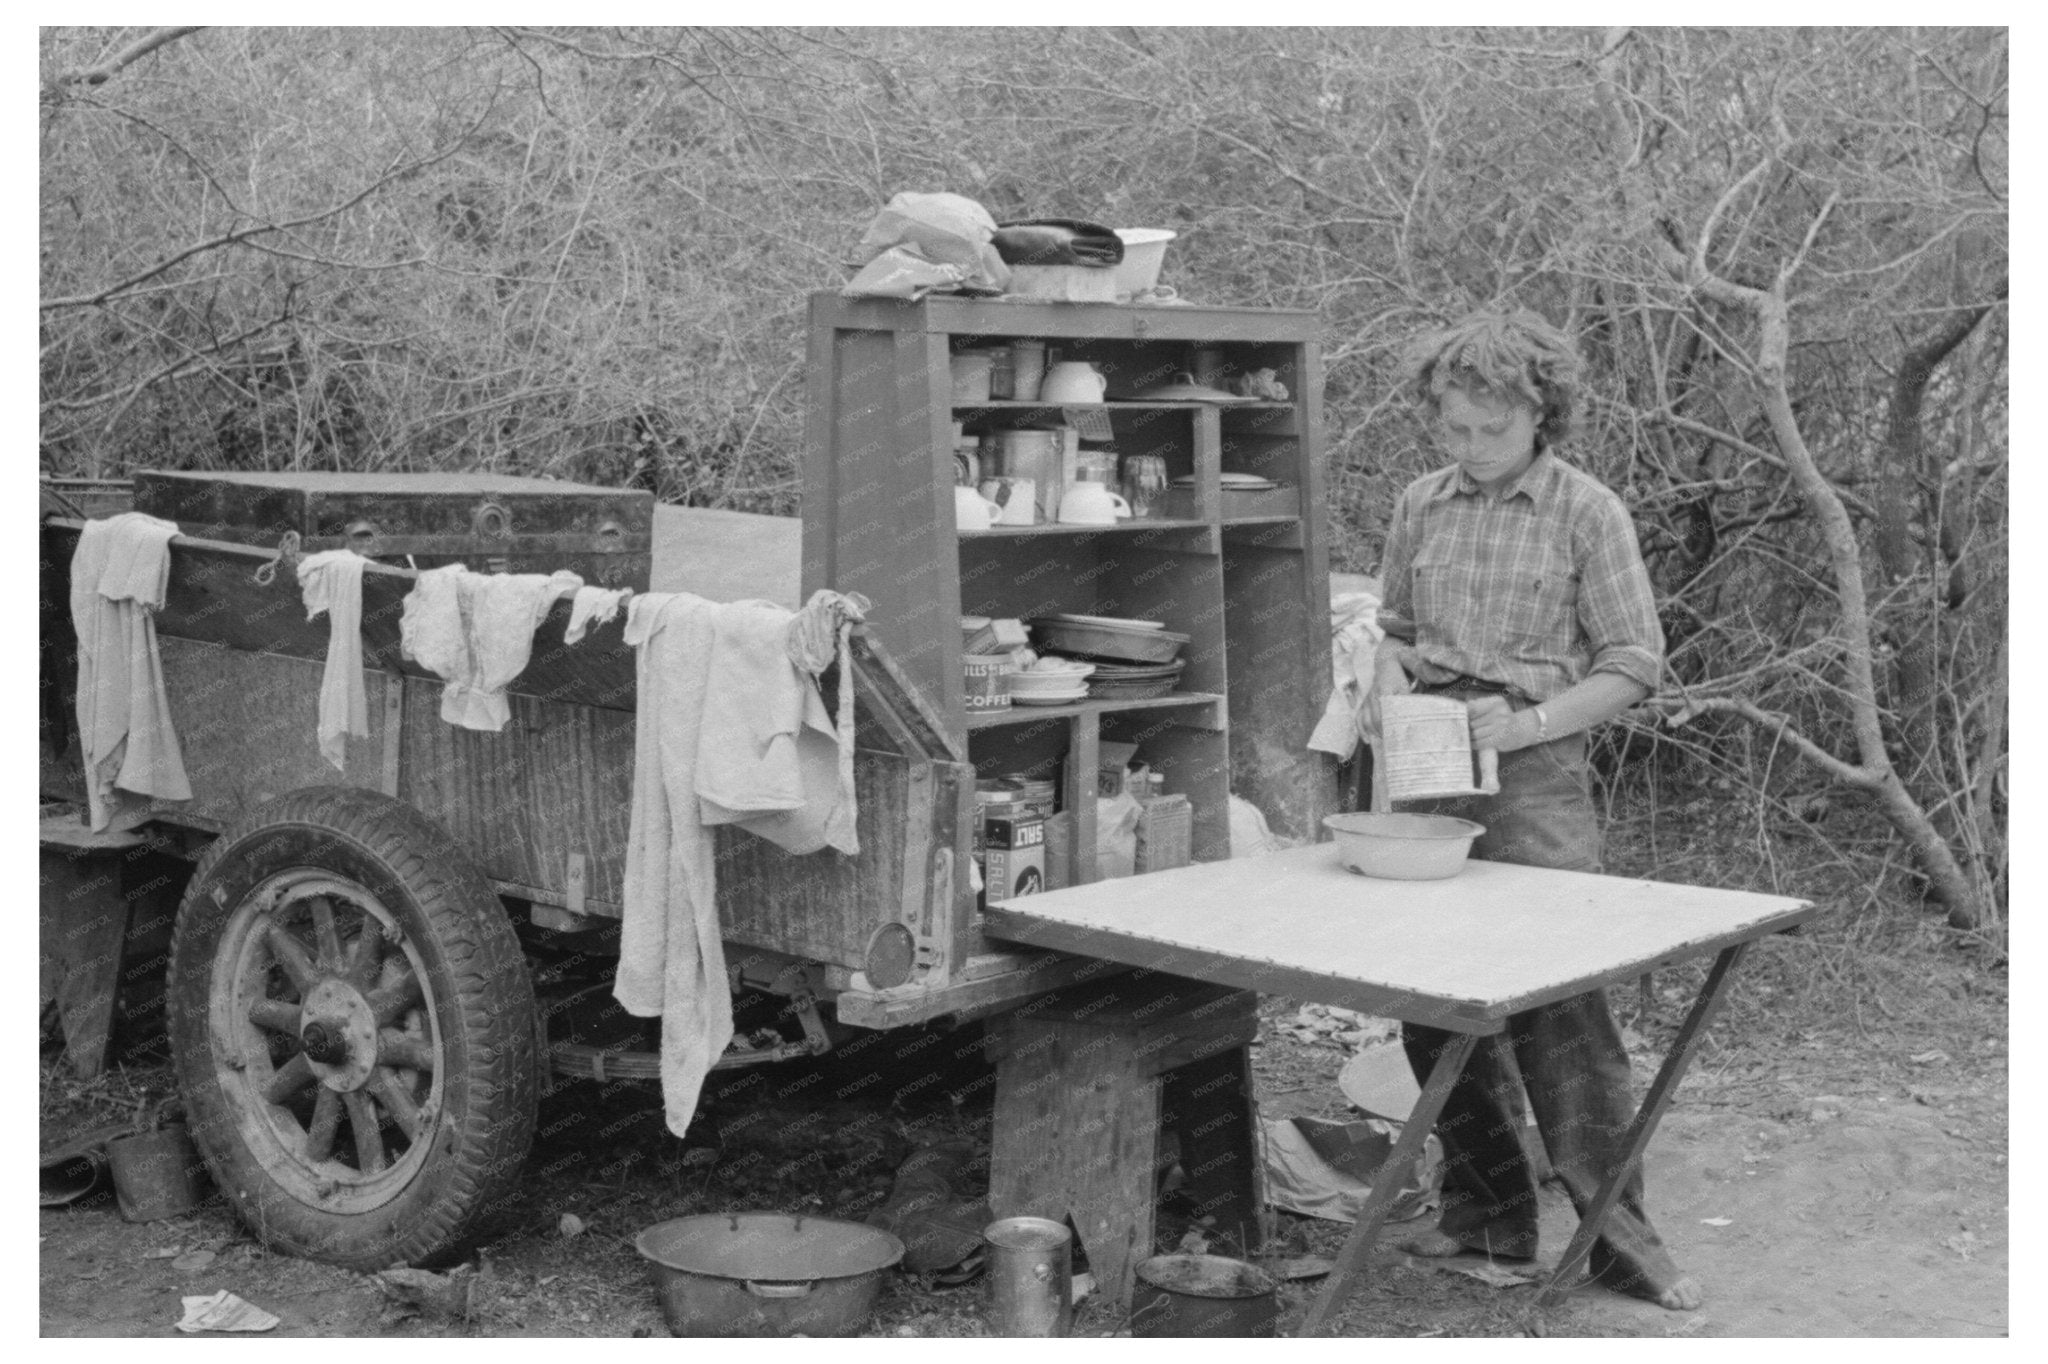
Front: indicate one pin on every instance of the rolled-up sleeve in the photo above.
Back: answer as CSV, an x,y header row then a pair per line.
x,y
1397,611
1617,609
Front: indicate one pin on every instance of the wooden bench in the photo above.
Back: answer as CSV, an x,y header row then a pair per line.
x,y
1089,1082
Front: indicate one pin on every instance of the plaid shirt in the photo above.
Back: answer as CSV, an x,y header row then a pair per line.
x,y
1534,590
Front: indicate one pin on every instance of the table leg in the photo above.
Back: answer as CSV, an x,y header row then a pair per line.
x,y
1387,1185
1644,1124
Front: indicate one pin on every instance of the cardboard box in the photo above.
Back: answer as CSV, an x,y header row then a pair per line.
x,y
1165,834
1113,776
1015,852
1059,851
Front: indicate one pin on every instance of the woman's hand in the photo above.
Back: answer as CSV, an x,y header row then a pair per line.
x,y
1498,725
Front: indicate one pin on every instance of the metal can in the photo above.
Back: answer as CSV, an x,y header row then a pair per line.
x,y
1030,1277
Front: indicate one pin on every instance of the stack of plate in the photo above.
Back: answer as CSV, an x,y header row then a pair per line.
x,y
1234,483
1116,681
1113,638
1050,682
1132,659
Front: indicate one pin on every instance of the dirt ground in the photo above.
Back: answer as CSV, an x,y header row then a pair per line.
x,y
1844,1182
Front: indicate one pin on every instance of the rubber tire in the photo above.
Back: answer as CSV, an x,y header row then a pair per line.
x,y
483,1003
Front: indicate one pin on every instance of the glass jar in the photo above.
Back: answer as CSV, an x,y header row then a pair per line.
x,y
1144,484
1096,466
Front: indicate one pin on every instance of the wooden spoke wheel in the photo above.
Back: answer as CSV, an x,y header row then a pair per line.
x,y
353,1028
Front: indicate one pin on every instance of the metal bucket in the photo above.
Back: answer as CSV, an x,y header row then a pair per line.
x,y
1203,1295
1030,1277
157,1174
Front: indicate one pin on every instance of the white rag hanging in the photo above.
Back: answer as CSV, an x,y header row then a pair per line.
x,y
332,581
119,573
476,631
593,606
1355,636
719,716
823,815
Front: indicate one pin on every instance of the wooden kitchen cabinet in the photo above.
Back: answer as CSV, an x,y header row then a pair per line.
x,y
1244,575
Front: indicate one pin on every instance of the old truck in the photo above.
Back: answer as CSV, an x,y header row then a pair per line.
x,y
372,968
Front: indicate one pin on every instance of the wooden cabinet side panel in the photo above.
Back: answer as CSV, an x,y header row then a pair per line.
x,y
1277,614
878,531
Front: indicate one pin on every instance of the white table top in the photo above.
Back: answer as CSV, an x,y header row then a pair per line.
x,y
1461,953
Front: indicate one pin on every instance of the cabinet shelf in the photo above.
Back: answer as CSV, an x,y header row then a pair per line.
x,y
1243,574
1026,715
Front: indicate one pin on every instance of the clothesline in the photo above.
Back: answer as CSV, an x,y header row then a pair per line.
x,y
731,728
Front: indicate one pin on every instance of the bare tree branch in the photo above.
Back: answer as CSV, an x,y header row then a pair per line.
x,y
398,169
1677,709
105,71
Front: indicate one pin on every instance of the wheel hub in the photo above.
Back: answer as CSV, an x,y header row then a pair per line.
x,y
329,1048
339,1033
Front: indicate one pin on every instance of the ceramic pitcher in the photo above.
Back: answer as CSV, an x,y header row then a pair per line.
x,y
1073,381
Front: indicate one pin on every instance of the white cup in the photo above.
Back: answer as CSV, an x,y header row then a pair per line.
x,y
972,511
1092,504
1016,499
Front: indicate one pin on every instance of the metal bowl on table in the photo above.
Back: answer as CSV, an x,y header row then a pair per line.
x,y
1403,847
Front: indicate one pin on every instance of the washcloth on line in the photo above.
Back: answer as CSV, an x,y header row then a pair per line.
x,y
332,581
746,785
593,606
819,635
476,631
695,658
119,573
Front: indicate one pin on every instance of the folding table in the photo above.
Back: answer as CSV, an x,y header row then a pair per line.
x,y
1461,954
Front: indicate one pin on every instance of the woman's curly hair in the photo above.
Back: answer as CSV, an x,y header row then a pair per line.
x,y
1517,354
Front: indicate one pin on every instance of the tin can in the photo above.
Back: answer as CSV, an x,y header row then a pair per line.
x,y
995,795
1036,797
157,1174
1027,369
986,681
971,372
1030,1277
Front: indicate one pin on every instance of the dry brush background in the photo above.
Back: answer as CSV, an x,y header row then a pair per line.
x,y
584,253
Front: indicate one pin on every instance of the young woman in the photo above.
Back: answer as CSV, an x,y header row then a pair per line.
x,y
1512,581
